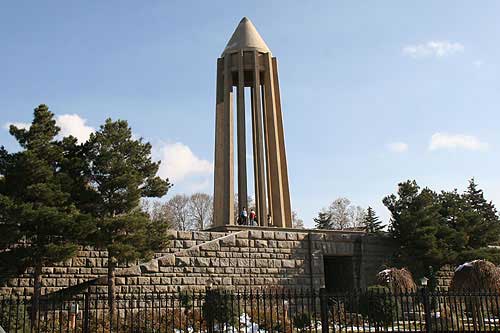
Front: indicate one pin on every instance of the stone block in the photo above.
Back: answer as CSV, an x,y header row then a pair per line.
x,y
291,236
202,280
182,261
73,270
167,260
45,282
171,234
260,243
189,243
120,280
243,263
150,267
242,242
254,234
284,245
228,241
288,263
45,270
129,271
241,281
143,280
210,246
215,235
301,236
91,262
261,263
202,236
78,261
280,235
155,280
317,237
184,235
24,282
165,280
268,234
60,270
161,288
242,234
224,262
189,280
203,262
99,270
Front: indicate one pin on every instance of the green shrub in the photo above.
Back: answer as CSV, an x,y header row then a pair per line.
x,y
219,309
376,304
302,321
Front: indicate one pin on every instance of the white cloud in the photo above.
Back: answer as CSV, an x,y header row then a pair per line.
x,y
397,147
478,63
70,124
433,49
456,141
73,124
178,163
18,125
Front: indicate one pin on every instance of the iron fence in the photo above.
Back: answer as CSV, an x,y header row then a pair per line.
x,y
256,311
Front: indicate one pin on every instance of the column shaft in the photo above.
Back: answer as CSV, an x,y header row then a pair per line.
x,y
267,156
241,136
228,128
274,165
282,151
259,147
219,147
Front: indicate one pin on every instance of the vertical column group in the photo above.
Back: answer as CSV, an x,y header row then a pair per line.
x,y
269,158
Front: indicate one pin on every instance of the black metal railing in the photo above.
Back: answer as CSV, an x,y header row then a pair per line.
x,y
256,311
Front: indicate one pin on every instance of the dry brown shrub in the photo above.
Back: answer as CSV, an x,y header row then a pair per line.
x,y
477,275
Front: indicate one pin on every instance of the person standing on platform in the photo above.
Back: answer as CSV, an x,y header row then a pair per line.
x,y
252,217
244,216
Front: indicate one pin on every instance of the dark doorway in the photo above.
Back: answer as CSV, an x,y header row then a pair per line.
x,y
339,273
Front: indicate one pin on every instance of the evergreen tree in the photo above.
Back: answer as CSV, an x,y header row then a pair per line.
x,y
423,240
39,223
483,227
121,172
371,222
434,229
323,221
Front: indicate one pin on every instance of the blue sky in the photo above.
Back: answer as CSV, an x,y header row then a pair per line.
x,y
373,93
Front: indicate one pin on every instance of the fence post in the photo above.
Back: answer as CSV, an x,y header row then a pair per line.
x,y
86,312
323,300
427,309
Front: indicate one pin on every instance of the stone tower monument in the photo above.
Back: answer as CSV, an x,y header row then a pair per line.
x,y
247,62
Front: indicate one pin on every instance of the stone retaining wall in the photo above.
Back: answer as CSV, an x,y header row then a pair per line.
x,y
235,259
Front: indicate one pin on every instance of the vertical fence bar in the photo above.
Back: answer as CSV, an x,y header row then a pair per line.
x,y
86,312
284,306
324,311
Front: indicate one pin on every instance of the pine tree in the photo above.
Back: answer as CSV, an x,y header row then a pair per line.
x,y
323,221
39,223
483,225
121,172
371,222
422,238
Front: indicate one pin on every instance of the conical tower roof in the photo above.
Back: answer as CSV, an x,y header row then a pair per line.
x,y
245,37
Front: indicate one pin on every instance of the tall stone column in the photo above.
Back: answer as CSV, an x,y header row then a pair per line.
x,y
282,152
241,137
